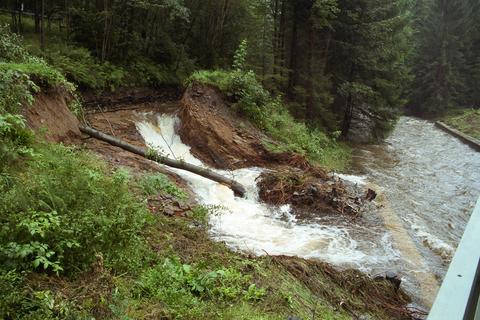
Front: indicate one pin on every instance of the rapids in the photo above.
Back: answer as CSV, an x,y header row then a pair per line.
x,y
429,179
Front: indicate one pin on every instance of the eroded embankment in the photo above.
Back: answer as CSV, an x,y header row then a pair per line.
x,y
217,139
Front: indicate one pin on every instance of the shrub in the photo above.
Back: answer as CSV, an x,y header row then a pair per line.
x,y
63,208
80,67
11,48
145,72
41,74
15,90
15,140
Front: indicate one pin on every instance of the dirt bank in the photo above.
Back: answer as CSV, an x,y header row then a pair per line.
x,y
49,115
222,139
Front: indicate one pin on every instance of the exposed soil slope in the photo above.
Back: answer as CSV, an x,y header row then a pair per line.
x,y
49,115
218,137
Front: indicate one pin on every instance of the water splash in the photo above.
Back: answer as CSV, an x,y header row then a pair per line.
x,y
250,225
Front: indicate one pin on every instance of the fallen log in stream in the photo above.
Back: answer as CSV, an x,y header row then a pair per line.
x,y
237,188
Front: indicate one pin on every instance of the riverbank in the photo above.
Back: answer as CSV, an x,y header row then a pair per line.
x,y
466,121
469,140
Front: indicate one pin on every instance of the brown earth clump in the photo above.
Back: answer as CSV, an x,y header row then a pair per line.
x,y
50,116
309,192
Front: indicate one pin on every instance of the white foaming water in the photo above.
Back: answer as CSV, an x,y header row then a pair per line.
x,y
247,224
358,180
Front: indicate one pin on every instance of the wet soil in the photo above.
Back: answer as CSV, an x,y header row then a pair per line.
x,y
312,193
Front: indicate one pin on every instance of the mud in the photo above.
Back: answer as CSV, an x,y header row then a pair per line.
x,y
129,98
312,193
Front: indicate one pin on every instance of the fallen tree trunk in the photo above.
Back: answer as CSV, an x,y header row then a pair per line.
x,y
237,188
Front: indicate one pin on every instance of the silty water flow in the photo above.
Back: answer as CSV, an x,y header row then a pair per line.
x,y
250,225
431,181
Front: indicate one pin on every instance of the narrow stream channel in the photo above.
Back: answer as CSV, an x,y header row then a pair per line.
x,y
430,181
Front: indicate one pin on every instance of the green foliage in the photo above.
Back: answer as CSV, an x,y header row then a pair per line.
x,y
240,57
152,184
78,65
11,48
15,140
184,288
17,67
217,78
270,114
147,73
15,90
42,74
63,208
21,302
445,37
200,214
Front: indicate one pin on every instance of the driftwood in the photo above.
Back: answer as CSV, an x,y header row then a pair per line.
x,y
237,188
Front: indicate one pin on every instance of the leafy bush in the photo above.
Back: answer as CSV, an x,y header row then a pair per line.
x,y
40,73
78,65
16,60
11,48
145,72
15,90
63,208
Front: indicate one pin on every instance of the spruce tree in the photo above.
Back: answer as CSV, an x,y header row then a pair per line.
x,y
371,46
440,61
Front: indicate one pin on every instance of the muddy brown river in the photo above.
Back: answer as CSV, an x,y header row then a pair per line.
x,y
431,182
427,180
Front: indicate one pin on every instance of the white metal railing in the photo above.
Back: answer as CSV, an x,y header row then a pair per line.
x,y
458,298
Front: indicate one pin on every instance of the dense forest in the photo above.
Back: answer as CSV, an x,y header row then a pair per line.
x,y
311,77
324,57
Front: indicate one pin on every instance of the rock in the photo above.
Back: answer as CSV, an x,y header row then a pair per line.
x,y
371,195
362,125
391,277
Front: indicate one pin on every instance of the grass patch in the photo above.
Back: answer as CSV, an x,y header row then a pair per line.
x,y
466,121
152,184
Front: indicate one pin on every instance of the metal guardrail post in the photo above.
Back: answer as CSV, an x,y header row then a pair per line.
x,y
458,298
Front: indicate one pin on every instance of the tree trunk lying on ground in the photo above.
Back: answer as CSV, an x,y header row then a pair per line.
x,y
237,188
